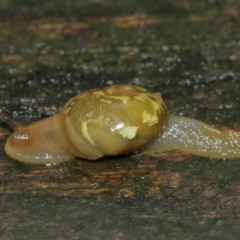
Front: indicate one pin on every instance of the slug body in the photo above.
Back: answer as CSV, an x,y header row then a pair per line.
x,y
111,121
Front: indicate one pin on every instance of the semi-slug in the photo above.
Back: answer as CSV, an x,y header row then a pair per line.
x,y
111,121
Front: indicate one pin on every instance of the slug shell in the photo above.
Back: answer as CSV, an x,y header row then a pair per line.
x,y
113,120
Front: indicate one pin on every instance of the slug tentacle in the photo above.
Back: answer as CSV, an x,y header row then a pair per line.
x,y
195,137
13,124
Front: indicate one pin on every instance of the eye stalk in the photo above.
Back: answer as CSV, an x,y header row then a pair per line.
x,y
13,124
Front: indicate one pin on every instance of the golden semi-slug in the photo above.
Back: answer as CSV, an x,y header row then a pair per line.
x,y
111,121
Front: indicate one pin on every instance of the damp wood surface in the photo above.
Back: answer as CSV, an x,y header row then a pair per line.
x,y
187,50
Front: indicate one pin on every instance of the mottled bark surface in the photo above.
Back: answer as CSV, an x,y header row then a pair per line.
x,y
187,50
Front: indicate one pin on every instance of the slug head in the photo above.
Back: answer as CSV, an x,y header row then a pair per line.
x,y
38,143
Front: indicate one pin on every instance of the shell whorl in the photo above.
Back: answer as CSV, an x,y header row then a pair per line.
x,y
113,120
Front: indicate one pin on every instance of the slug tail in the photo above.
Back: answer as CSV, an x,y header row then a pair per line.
x,y
195,137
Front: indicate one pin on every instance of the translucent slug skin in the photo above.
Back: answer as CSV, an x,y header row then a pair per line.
x,y
198,138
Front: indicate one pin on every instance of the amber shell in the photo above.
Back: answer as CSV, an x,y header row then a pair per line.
x,y
114,120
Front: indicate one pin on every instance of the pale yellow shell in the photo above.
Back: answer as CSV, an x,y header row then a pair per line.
x,y
113,120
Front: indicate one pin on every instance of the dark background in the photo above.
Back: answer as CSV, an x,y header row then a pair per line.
x,y
188,50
